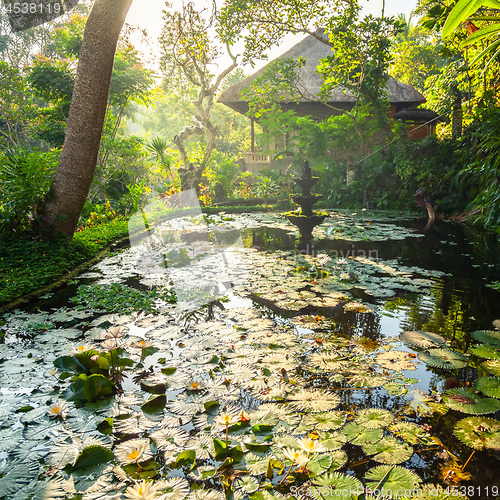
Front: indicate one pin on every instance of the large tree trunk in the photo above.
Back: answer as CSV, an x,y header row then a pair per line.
x,y
75,171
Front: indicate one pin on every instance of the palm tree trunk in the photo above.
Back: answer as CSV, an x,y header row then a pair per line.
x,y
75,171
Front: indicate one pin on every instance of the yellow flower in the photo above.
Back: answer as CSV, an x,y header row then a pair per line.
x,y
142,491
311,445
133,451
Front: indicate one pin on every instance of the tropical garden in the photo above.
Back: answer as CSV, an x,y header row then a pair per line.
x,y
167,333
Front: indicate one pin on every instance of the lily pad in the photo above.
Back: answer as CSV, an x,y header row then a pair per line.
x,y
333,485
395,389
479,433
388,451
444,358
487,336
314,400
390,479
374,418
396,360
486,351
489,386
319,464
492,366
410,432
323,421
467,401
359,434
422,339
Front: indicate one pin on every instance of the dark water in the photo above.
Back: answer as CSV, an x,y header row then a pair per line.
x,y
458,304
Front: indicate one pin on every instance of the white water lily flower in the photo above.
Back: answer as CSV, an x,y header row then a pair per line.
x,y
143,490
82,348
109,344
133,451
196,385
311,445
141,344
58,410
344,276
295,456
227,419
116,332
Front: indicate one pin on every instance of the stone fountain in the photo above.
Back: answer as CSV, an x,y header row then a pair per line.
x,y
305,219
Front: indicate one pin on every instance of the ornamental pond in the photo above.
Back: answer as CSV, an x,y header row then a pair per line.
x,y
366,366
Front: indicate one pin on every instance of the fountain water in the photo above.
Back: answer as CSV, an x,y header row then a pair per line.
x,y
306,219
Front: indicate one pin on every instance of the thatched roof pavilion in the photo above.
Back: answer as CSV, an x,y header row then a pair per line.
x,y
400,95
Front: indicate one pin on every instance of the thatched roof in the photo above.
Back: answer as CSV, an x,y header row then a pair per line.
x,y
309,82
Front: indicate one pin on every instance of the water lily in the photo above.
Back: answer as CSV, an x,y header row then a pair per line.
x,y
143,490
58,410
109,344
116,332
141,344
311,446
295,456
226,419
344,276
81,348
132,451
196,385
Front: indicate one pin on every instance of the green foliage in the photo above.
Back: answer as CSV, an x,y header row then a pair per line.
x,y
479,155
125,162
360,55
52,82
16,108
25,178
130,80
416,57
28,263
119,298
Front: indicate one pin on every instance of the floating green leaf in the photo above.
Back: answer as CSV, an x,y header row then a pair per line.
x,y
155,405
489,386
333,485
487,336
359,434
314,400
388,451
186,458
97,387
373,418
247,484
91,456
467,401
479,433
324,421
492,367
390,479
410,432
322,462
486,351
444,358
